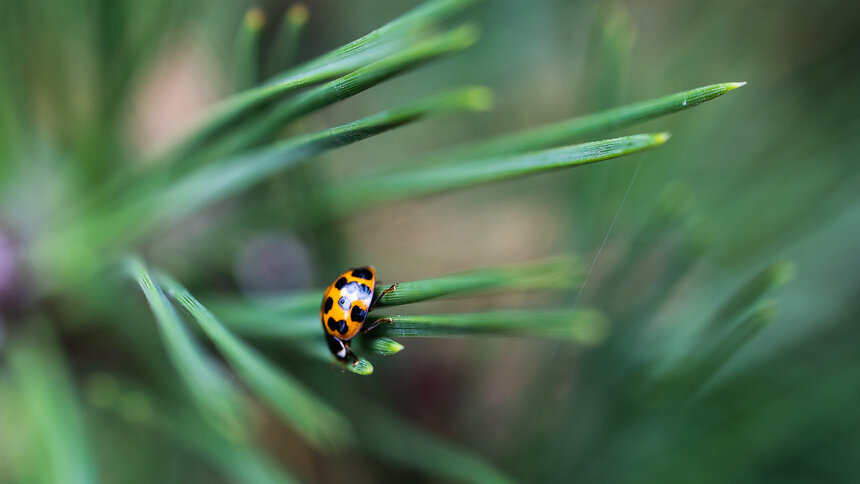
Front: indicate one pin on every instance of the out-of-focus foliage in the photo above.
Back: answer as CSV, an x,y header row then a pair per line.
x,y
178,181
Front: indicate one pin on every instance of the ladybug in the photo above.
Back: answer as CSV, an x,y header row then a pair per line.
x,y
345,305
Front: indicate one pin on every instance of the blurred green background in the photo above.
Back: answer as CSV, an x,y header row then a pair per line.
x,y
685,314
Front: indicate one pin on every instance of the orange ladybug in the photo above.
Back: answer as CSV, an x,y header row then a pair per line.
x,y
345,305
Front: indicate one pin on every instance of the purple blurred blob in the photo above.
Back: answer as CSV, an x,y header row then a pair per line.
x,y
7,270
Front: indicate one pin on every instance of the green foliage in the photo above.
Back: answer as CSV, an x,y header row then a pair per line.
x,y
44,395
620,117
221,179
212,391
622,346
246,68
385,188
587,327
417,449
396,37
318,422
552,274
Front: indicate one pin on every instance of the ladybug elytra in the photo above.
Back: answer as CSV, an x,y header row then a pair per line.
x,y
346,303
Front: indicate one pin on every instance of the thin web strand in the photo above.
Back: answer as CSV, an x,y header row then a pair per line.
x,y
605,239
608,232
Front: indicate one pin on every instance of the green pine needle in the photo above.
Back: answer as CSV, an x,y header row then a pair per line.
x,y
310,416
370,343
246,56
697,370
385,346
265,128
286,44
210,388
564,131
44,389
715,355
551,274
297,315
387,40
748,295
236,460
317,349
400,443
587,327
417,20
410,183
227,177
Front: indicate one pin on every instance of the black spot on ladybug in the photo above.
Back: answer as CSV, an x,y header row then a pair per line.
x,y
336,346
332,324
341,326
328,304
357,314
365,291
340,283
362,273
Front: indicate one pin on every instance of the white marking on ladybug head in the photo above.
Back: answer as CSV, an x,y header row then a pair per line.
x,y
352,292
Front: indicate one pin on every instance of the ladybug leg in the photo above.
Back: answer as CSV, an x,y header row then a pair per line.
x,y
349,353
377,298
376,323
341,350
